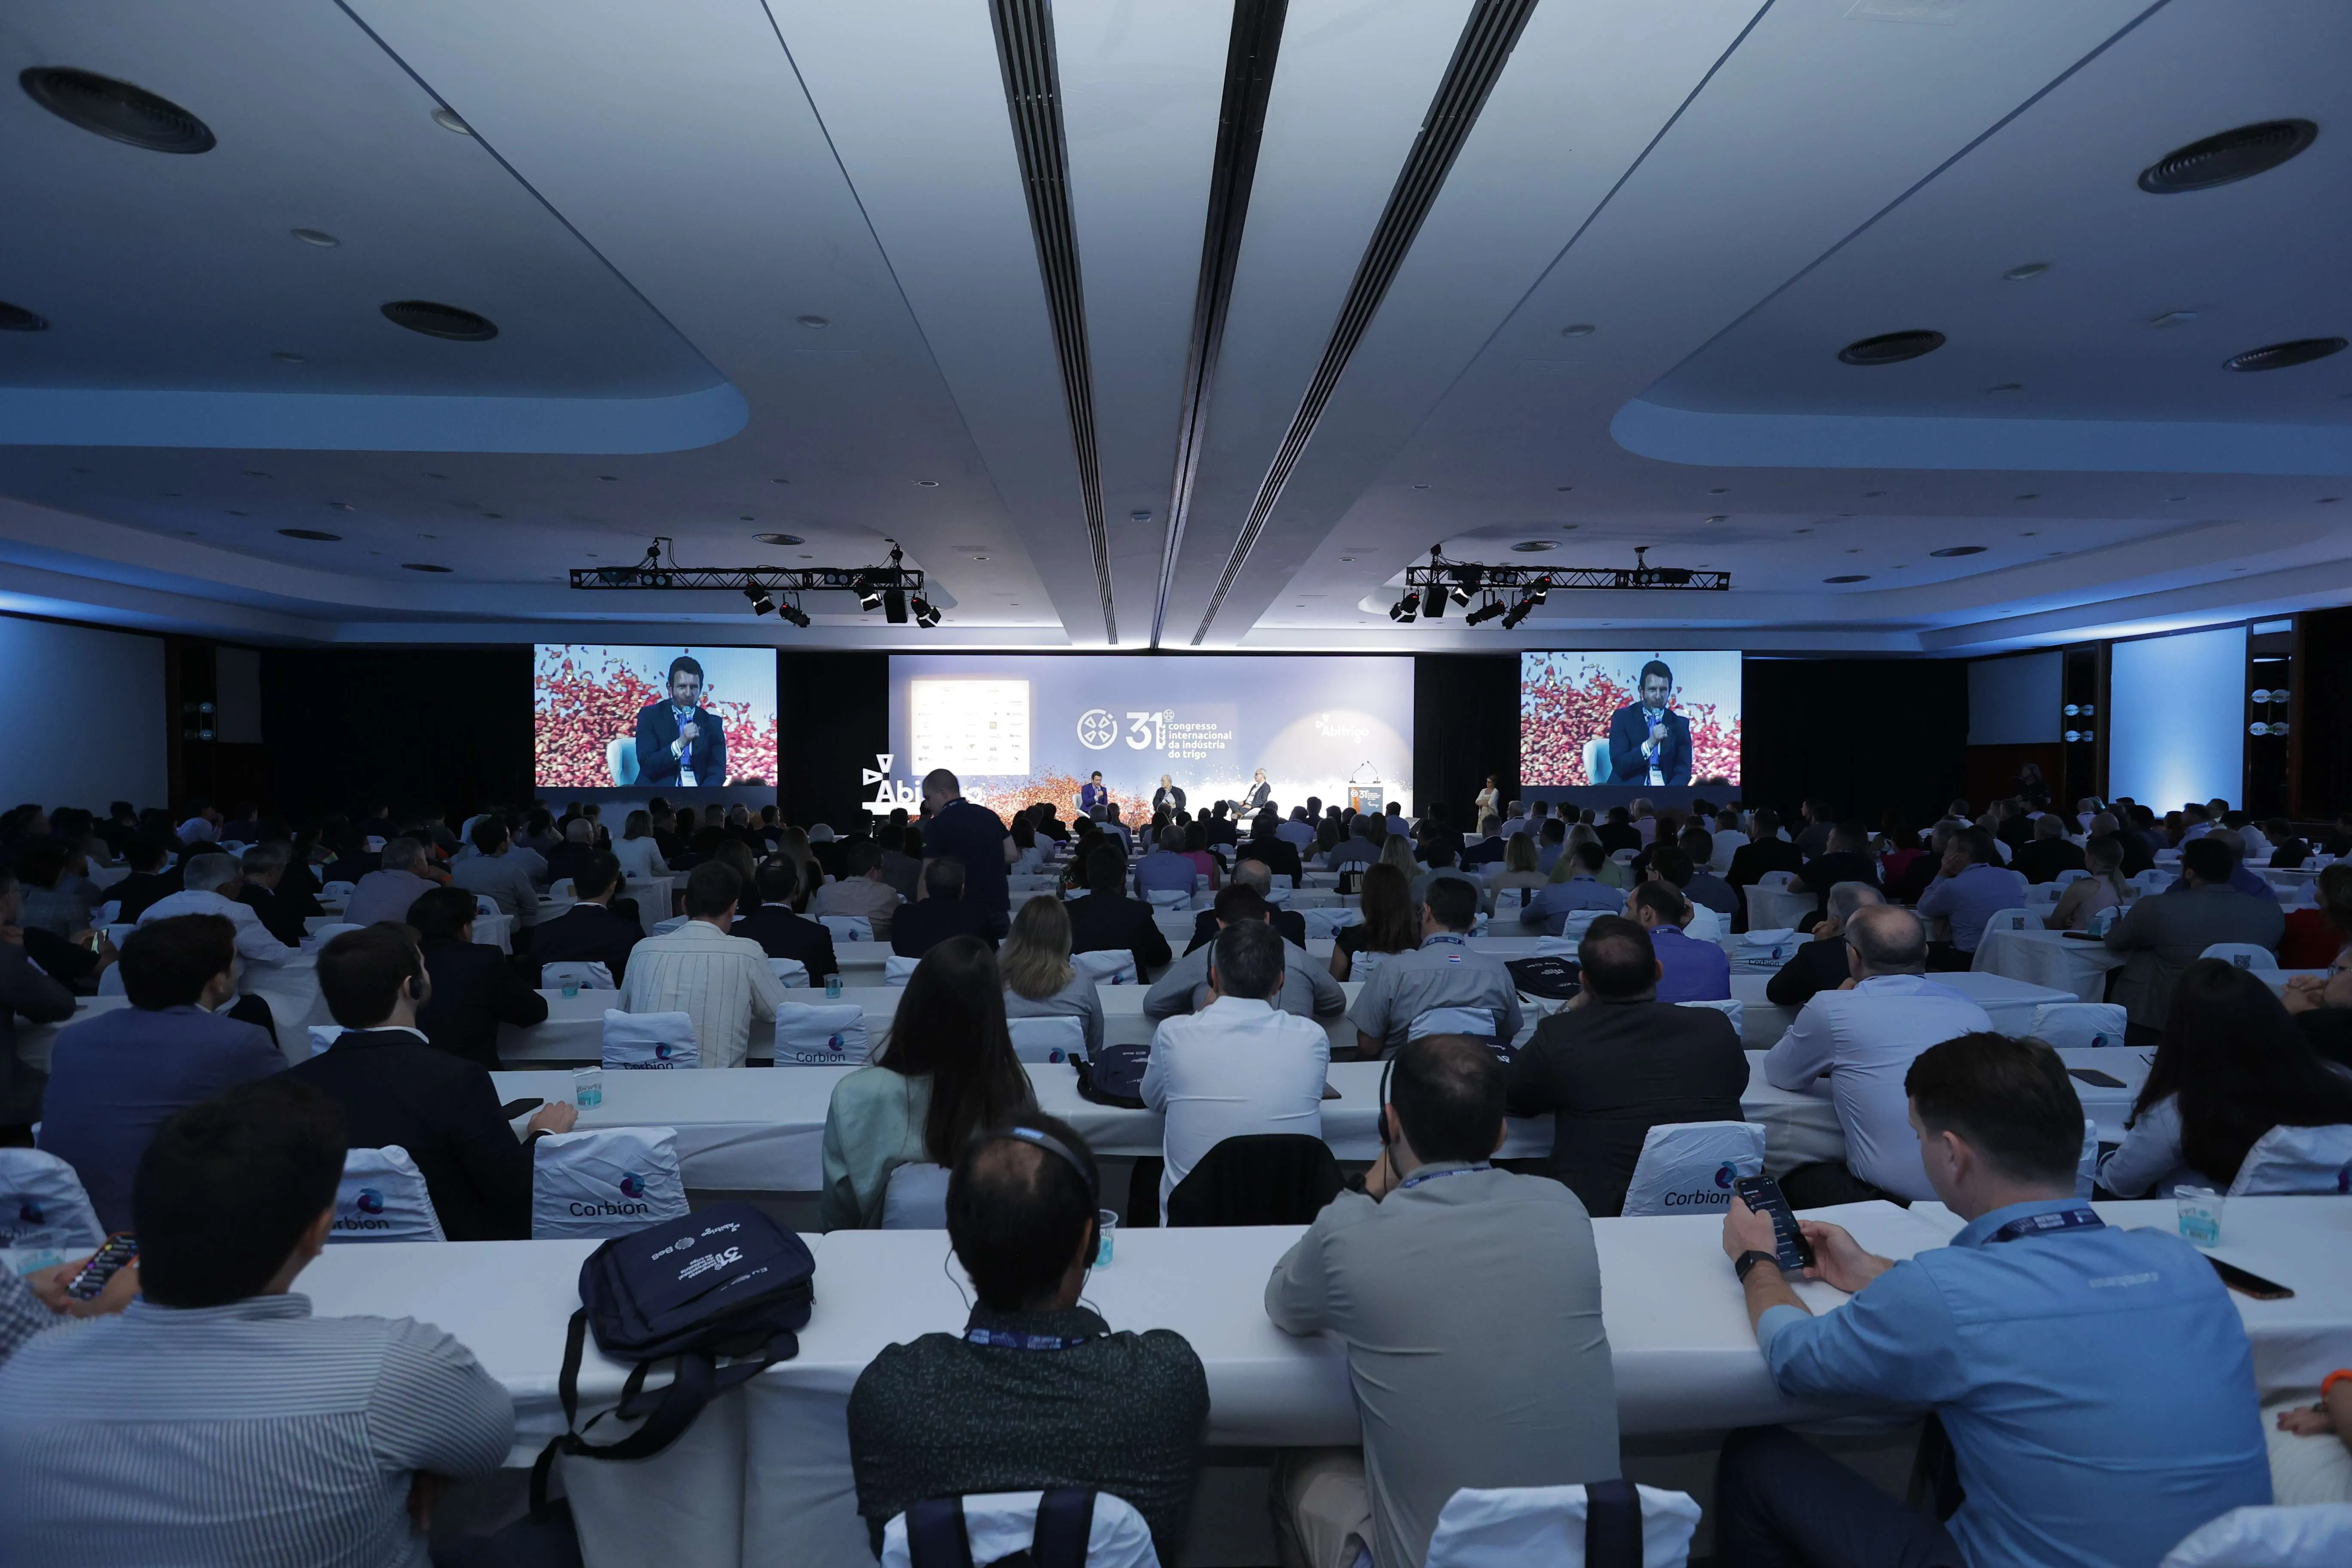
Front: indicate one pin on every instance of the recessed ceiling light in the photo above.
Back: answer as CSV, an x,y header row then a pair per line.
x,y
2279,356
2030,495
283,357
2007,386
1534,546
2030,269
255,474
494,515
2236,154
116,110
238,514
341,506
17,318
1720,491
2030,533
1570,527
438,320
1421,487
2175,498
2173,319
780,482
929,484
1563,488
1801,531
421,566
813,323
312,533
747,517
1891,347
428,536
1851,550
1579,329
2327,501
1952,550
1849,577
436,476
1871,495
317,236
610,479
980,558
447,119
779,538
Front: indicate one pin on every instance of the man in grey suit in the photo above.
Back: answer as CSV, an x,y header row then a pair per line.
x,y
2164,934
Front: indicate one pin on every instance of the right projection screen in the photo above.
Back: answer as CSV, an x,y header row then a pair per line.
x,y
2176,718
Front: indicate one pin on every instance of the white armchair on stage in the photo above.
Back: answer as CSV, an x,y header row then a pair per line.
x,y
43,1203
998,1525
1687,1167
1550,1527
1596,760
382,1197
609,1180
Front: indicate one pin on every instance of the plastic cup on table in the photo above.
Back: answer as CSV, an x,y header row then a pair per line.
x,y
2199,1211
1109,1228
571,989
831,987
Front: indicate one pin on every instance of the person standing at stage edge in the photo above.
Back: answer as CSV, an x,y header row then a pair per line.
x,y
975,835
678,740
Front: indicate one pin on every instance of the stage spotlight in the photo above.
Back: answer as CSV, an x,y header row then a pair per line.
x,y
1518,613
1404,609
760,604
1483,613
1465,583
926,614
795,614
869,597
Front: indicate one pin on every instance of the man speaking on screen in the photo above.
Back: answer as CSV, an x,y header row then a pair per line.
x,y
678,741
1648,741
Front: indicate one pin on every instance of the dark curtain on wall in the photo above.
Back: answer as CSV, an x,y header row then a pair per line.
x,y
1466,725
1864,735
2323,713
417,729
832,720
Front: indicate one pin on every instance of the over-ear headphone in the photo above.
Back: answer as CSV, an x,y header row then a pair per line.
x,y
1052,1145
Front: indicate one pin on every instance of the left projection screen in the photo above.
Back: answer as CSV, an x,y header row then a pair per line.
x,y
592,702
1022,729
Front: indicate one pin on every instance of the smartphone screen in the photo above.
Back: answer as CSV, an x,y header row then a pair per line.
x,y
104,1264
2246,1284
1762,1194
2094,1078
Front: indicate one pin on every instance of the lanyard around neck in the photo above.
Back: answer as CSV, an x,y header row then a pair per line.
x,y
1418,1177
1013,1340
2047,1224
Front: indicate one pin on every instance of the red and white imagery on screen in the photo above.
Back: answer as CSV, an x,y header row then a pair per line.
x,y
582,708
1557,717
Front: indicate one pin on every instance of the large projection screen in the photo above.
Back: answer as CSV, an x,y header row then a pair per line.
x,y
1016,730
1582,724
2176,718
588,700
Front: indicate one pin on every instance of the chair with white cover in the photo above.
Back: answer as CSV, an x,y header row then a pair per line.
x,y
43,1205
847,928
635,1041
310,943
1625,857
2065,878
119,931
108,914
1730,1007
588,973
915,1197
2243,955
994,1526
486,905
1687,1167
1168,898
1047,1039
821,1035
1776,879
898,969
1564,1527
2086,1164
382,1198
338,889
1510,903
1278,894
790,971
2013,919
2155,879
2306,1535
2079,1025
609,1181
675,922
324,1036
1322,925
2297,1159
1706,924
2043,896
1477,1022
1107,966
110,982
561,888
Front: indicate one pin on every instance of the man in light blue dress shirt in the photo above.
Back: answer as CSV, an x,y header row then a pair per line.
x,y
1974,887
2095,1384
1580,889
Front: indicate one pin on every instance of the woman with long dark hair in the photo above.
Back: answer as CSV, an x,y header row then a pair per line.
x,y
2230,1066
1388,927
948,1071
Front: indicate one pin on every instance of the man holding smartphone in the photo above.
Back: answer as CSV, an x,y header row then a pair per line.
x,y
2095,1383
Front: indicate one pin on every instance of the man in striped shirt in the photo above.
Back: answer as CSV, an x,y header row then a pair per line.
x,y
215,1420
721,982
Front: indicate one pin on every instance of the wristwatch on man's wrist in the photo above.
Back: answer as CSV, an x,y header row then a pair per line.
x,y
1749,1260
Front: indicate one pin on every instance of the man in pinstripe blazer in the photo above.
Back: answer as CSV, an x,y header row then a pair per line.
x,y
215,1420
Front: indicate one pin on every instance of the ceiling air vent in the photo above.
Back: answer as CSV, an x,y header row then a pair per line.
x,y
440,321
1891,347
2222,160
17,318
116,110
2278,356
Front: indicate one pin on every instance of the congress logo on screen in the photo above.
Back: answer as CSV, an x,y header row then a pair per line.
x,y
1097,730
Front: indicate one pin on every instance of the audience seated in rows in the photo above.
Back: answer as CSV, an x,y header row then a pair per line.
x,y
1289,924
397,1088
1618,1060
2321,1005
981,1410
2231,1064
1689,970
1865,1036
1970,888
863,894
778,927
2166,932
1575,886
1390,927
1307,988
1687,865
1442,972
2048,852
2100,889
500,876
1265,843
1767,852
214,882
2313,936
942,912
720,981
1239,1065
1108,921
115,1076
1426,1277
385,894
474,987
1821,965
2095,1380
975,835
590,930
1039,980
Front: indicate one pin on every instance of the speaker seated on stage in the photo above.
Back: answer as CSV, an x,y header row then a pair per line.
x,y
1649,742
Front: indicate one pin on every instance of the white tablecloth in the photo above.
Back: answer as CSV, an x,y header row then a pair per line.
x,y
2048,958
1769,908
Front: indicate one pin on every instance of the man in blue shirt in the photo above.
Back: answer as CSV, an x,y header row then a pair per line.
x,y
1974,887
1166,869
1689,970
1580,889
975,835
2095,1382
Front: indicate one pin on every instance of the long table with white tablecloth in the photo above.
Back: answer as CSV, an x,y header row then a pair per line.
x,y
763,1129
763,1477
291,990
